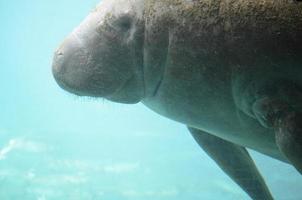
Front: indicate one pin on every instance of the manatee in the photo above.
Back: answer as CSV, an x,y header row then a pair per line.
x,y
230,70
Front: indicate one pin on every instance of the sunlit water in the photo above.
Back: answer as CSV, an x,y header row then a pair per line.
x,y
55,146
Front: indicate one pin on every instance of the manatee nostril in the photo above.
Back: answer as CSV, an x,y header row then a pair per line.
x,y
57,65
59,53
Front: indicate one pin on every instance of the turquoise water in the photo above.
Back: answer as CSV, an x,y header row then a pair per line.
x,y
55,146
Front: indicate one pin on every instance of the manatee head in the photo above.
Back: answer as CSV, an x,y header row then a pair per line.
x,y
103,56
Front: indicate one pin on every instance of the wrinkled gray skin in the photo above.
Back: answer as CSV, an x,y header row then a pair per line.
x,y
231,70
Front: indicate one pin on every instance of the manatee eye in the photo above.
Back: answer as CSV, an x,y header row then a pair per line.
x,y
119,26
124,23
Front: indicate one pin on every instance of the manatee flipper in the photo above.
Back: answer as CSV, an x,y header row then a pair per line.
x,y
285,118
235,161
289,138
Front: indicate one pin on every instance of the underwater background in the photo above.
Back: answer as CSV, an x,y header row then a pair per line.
x,y
55,146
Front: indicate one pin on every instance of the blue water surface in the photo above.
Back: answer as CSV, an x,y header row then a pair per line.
x,y
55,146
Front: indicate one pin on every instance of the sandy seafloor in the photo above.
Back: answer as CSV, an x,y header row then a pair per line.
x,y
55,146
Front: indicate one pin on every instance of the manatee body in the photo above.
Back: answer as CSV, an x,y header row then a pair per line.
x,y
231,70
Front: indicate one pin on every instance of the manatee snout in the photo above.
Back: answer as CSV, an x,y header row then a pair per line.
x,y
80,69
68,62
89,63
